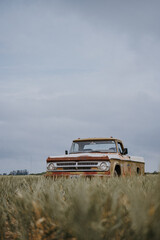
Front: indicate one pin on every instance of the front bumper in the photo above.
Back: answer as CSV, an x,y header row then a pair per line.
x,y
78,174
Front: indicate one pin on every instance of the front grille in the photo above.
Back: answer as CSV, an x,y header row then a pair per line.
x,y
77,166
88,163
66,164
69,168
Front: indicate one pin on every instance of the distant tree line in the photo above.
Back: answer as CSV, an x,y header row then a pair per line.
x,y
19,172
22,172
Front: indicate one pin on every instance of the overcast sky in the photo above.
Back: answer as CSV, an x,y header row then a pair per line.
x,y
72,69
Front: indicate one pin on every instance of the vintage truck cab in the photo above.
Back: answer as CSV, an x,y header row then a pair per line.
x,y
95,157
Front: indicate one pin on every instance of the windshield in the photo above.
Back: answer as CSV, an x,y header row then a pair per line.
x,y
93,146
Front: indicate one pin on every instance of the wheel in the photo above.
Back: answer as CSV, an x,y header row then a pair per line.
x,y
115,173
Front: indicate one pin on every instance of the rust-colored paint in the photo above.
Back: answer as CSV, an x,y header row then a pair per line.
x,y
97,139
83,174
81,158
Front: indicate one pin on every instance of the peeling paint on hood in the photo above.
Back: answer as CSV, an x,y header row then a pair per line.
x,y
98,155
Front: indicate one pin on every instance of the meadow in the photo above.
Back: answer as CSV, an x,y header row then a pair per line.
x,y
36,208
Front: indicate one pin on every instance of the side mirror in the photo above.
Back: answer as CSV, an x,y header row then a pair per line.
x,y
125,151
66,152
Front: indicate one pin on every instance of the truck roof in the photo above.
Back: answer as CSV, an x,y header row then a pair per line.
x,y
96,139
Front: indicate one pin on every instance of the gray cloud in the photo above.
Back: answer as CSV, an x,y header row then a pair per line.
x,y
73,69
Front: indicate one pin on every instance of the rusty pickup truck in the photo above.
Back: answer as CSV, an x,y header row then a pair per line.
x,y
95,157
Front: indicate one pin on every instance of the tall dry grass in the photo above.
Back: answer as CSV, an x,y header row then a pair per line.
x,y
115,208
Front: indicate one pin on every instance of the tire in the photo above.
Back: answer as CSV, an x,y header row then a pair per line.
x,y
115,173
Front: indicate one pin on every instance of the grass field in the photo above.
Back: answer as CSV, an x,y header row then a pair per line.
x,y
115,208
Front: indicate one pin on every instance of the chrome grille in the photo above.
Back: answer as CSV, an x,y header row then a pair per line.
x,y
77,166
66,164
88,163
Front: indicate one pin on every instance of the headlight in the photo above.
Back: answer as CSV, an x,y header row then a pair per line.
x,y
51,166
104,166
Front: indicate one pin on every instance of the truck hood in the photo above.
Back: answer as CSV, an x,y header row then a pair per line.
x,y
79,157
93,157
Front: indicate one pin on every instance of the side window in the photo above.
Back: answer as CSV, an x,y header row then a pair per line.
x,y
74,147
120,148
